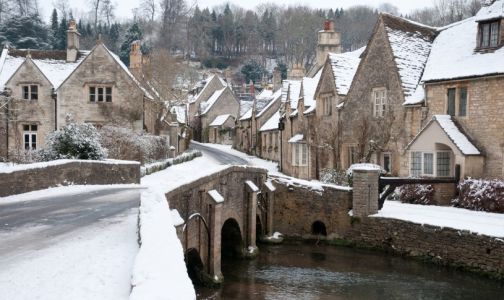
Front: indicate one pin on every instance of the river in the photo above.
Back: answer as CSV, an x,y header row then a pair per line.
x,y
311,272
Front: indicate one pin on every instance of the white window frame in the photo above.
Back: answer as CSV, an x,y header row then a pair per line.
x,y
30,134
327,105
300,154
32,91
434,163
99,93
380,102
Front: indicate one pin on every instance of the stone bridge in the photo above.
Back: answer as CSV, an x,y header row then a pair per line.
x,y
224,213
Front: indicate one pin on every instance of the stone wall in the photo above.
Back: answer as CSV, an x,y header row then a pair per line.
x,y
445,246
40,176
296,208
483,122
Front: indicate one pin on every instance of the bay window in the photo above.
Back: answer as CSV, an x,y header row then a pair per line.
x,y
429,164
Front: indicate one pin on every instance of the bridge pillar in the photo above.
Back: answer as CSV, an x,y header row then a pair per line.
x,y
270,209
251,250
215,226
365,191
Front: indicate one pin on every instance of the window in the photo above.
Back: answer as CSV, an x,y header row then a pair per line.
x,y
30,137
451,102
30,92
489,34
430,163
327,105
299,155
387,162
380,102
457,102
100,94
462,102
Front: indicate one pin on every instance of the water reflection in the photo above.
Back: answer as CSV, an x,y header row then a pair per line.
x,y
325,272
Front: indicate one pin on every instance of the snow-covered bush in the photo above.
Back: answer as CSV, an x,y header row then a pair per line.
x,y
74,141
124,143
416,194
480,194
334,176
161,165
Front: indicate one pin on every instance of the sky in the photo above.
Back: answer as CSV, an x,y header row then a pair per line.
x,y
125,7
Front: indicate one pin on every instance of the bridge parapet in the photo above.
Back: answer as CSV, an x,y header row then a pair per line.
x,y
230,194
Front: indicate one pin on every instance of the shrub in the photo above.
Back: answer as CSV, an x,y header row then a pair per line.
x,y
74,141
125,144
480,194
416,194
334,176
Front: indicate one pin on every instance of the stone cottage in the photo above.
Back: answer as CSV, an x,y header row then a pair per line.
x,y
46,89
464,100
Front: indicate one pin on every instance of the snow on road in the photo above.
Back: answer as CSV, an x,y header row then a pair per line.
x,y
484,223
92,263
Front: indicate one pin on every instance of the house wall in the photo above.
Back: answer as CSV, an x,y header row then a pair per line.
x,y
294,125
222,134
126,108
226,104
242,136
377,70
37,112
483,124
213,85
270,148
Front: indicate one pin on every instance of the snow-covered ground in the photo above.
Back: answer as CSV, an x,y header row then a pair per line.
x,y
484,223
91,263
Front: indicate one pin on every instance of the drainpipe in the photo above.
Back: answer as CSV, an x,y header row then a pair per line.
x,y
54,96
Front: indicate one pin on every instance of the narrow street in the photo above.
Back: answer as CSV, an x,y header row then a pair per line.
x,y
218,155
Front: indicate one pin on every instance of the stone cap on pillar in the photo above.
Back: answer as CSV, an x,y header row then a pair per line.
x,y
251,186
269,185
216,196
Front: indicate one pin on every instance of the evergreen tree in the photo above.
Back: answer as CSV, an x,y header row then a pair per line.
x,y
54,29
134,33
25,32
61,35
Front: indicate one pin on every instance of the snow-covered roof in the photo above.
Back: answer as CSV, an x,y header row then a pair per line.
x,y
206,83
273,98
247,115
309,88
491,12
411,44
205,106
180,112
272,123
51,63
344,67
453,54
296,138
451,129
220,120
294,88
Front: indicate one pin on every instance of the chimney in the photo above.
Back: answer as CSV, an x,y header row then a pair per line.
x,y
277,79
329,41
72,41
297,72
135,64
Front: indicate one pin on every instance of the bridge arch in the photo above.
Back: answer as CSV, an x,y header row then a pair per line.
x,y
232,243
195,266
259,228
319,228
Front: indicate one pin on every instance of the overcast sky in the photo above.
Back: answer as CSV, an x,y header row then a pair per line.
x,y
124,7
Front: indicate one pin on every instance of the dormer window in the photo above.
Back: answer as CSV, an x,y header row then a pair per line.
x,y
30,92
489,34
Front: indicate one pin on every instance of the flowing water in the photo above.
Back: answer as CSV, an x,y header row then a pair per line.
x,y
288,272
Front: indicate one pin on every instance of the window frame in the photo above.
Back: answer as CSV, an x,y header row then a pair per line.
x,y
300,155
489,34
435,167
100,93
327,100
380,102
460,108
30,92
30,137
389,155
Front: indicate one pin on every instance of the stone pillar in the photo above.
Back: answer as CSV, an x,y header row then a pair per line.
x,y
215,226
251,234
365,192
271,205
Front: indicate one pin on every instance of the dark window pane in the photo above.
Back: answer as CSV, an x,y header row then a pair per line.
x,y
451,102
485,39
34,127
27,138
386,162
26,127
100,94
26,92
34,92
34,141
108,94
494,34
92,94
463,102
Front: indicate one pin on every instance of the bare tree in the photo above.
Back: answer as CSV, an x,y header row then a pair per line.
x,y
95,4
107,10
149,7
63,8
389,8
